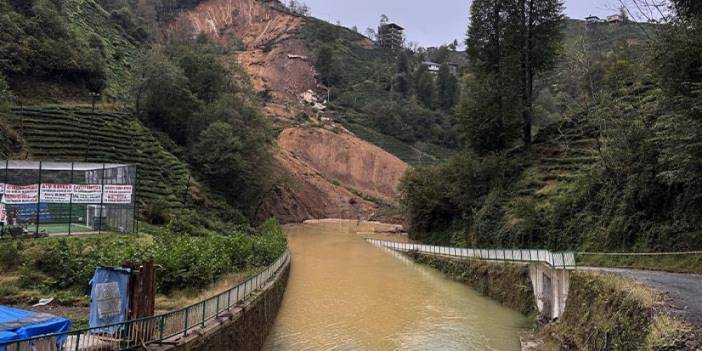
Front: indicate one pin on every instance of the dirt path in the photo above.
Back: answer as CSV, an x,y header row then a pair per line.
x,y
684,290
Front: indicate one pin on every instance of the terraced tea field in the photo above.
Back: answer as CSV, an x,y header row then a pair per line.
x,y
60,133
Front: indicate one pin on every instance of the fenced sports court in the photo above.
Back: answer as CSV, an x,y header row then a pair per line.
x,y
41,198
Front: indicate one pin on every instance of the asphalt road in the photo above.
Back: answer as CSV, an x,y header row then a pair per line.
x,y
684,290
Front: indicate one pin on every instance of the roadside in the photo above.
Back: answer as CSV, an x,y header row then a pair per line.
x,y
683,290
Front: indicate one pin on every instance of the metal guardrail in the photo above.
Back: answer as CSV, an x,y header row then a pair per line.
x,y
560,260
151,330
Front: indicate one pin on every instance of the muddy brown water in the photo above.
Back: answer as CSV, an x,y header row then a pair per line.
x,y
345,294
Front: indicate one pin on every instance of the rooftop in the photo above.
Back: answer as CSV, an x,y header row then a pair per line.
x,y
392,25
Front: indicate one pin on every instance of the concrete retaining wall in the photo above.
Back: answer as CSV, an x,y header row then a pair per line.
x,y
505,282
245,328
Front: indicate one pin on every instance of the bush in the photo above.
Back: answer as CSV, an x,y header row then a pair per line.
x,y
9,255
187,261
440,197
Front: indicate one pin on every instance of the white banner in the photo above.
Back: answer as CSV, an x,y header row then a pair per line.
x,y
21,194
61,193
3,214
86,193
56,193
117,194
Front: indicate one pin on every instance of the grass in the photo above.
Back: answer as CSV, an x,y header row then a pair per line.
x,y
186,297
686,263
62,228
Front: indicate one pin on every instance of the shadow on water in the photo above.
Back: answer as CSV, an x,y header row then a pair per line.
x,y
345,294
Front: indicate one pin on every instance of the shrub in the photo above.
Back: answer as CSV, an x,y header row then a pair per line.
x,y
10,255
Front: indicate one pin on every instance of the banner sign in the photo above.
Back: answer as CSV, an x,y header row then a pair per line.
x,y
3,214
66,193
21,194
56,193
86,193
117,194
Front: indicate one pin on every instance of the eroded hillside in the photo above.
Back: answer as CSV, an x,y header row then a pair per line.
x,y
331,172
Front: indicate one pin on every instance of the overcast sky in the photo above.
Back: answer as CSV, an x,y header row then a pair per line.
x,y
430,23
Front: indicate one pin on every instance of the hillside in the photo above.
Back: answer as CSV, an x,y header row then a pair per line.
x,y
603,173
320,181
76,134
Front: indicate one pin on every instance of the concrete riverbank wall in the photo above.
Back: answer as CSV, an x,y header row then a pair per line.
x,y
506,283
245,328
604,312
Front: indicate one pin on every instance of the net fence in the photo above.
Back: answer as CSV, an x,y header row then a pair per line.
x,y
41,198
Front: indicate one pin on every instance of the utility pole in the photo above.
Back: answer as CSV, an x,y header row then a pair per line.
x,y
93,95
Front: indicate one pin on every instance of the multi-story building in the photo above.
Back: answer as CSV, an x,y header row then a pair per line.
x,y
391,36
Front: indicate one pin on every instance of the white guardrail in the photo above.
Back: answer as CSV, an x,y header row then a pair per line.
x,y
562,260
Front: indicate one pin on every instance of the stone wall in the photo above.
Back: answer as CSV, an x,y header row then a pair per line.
x,y
246,328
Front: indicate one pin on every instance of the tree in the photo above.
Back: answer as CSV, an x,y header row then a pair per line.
x,y
162,96
488,108
424,86
371,34
441,55
447,88
535,30
5,93
401,81
200,61
234,154
327,66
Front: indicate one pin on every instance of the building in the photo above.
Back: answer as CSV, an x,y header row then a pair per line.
x,y
433,67
391,36
615,19
593,19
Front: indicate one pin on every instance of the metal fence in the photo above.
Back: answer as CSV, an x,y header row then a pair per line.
x,y
152,330
563,260
41,198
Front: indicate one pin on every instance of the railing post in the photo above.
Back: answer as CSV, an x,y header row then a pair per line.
x,y
217,308
77,342
187,314
204,310
161,325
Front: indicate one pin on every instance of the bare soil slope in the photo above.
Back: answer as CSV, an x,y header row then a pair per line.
x,y
346,159
329,173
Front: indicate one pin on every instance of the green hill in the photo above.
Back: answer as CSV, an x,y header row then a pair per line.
x,y
77,134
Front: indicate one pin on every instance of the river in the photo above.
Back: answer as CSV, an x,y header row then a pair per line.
x,y
345,294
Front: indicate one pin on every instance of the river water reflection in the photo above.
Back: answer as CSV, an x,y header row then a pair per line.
x,y
345,294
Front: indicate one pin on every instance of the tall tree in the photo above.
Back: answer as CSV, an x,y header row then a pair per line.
x,y
327,66
446,88
424,86
535,30
487,108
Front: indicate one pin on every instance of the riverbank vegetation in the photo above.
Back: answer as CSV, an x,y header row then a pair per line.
x,y
62,267
611,163
608,312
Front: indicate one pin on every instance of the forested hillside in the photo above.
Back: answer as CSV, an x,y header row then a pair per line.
x,y
612,162
387,96
171,103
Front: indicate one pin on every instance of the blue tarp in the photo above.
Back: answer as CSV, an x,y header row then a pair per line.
x,y
109,298
16,324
